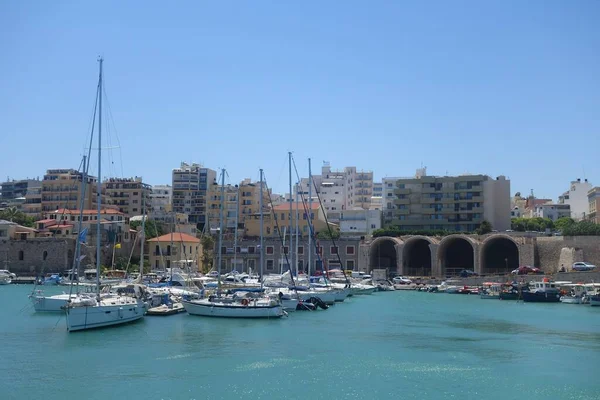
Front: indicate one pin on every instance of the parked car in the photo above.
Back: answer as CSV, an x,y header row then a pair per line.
x,y
583,266
526,269
399,280
465,273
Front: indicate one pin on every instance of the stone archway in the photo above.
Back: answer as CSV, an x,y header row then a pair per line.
x,y
417,256
383,254
499,255
456,253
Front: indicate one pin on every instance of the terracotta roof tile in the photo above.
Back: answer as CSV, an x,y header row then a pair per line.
x,y
176,237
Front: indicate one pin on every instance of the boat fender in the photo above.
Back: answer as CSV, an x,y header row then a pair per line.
x,y
245,302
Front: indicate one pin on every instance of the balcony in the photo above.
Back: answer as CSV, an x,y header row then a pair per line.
x,y
402,201
401,191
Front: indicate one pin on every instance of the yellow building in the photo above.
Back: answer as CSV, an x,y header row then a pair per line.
x,y
279,217
127,195
61,188
174,249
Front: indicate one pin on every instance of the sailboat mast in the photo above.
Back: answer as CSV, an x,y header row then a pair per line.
x,y
222,206
290,216
235,233
260,202
309,220
142,235
99,181
296,235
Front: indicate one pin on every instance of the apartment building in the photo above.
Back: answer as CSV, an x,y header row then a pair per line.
x,y
175,250
61,188
246,255
594,204
454,203
340,190
191,184
13,189
577,198
130,196
359,222
278,221
241,201
553,211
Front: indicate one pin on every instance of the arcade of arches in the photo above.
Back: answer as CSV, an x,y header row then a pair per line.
x,y
416,257
383,255
420,256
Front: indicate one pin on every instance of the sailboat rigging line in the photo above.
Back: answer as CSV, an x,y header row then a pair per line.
x,y
112,120
279,232
326,222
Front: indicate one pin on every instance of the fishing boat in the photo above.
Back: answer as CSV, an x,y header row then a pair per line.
x,y
574,293
595,300
542,292
89,312
240,304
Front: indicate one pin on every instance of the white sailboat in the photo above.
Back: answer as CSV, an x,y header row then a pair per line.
x,y
85,312
241,304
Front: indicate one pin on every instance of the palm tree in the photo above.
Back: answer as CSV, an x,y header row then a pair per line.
x,y
11,213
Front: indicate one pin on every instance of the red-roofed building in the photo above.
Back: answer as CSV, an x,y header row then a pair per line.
x,y
175,250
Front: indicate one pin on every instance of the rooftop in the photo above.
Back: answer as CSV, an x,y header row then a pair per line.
x,y
87,212
175,238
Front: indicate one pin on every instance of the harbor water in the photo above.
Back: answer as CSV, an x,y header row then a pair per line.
x,y
390,345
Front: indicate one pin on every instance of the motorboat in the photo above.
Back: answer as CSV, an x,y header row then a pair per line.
x,y
491,290
57,302
542,292
574,293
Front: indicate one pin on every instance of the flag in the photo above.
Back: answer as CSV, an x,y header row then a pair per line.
x,y
83,235
118,246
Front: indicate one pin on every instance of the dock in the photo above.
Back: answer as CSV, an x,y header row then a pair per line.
x,y
164,310
24,280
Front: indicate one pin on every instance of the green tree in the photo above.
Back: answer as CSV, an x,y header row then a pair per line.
x,y
582,228
326,235
208,252
518,224
12,214
152,228
484,227
562,223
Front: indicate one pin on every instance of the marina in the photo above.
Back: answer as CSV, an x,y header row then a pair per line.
x,y
423,343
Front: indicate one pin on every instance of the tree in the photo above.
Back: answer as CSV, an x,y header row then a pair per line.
x,y
12,214
518,224
208,252
152,228
582,228
484,227
562,223
326,235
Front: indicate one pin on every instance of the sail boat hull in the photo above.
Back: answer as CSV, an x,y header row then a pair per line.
x,y
91,314
207,308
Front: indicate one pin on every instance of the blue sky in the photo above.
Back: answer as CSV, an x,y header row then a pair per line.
x,y
495,87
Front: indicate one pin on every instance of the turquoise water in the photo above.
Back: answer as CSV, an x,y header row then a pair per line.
x,y
407,345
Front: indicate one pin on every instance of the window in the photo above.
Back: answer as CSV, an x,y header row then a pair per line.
x,y
21,255
45,255
350,264
333,250
223,250
269,249
270,265
285,249
349,250
300,249
319,250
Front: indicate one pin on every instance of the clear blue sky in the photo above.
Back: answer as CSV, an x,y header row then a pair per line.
x,y
494,87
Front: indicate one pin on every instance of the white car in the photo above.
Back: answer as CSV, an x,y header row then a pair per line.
x,y
399,280
583,266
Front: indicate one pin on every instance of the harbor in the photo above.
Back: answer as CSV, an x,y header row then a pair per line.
x,y
429,345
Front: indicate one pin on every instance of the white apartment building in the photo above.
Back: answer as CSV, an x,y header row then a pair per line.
x,y
359,222
340,190
191,185
576,197
553,211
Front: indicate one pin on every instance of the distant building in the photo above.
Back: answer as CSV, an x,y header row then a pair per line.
x,y
33,201
174,250
191,186
12,189
454,203
340,190
360,222
553,211
161,197
577,198
128,195
594,204
13,231
277,221
61,188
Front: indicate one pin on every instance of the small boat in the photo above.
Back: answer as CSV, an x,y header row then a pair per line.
x,y
491,290
166,309
595,300
574,293
232,307
542,292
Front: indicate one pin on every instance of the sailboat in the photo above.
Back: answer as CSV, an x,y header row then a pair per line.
x,y
106,309
240,305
